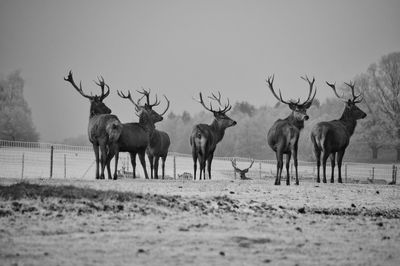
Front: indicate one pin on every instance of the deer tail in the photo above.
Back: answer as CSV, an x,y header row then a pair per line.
x,y
114,130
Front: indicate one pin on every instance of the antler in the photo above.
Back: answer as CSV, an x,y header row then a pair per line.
x,y
252,161
333,86
129,97
101,83
146,93
351,85
270,82
166,107
225,109
70,79
234,165
311,83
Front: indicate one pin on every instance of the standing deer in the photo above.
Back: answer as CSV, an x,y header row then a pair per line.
x,y
135,137
241,172
283,136
333,137
158,145
204,138
104,128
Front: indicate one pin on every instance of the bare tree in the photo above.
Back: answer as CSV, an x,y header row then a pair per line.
x,y
386,82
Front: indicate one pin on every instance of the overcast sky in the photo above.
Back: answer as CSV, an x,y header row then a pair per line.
x,y
179,48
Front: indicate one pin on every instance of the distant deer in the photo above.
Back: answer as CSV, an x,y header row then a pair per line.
x,y
240,171
333,137
104,128
204,138
135,137
283,136
158,145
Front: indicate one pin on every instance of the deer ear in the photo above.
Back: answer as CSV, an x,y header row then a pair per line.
x,y
292,106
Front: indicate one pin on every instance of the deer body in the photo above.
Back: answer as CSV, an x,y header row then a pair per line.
x,y
283,136
135,137
158,148
104,128
332,137
204,138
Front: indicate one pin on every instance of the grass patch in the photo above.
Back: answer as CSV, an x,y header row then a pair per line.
x,y
26,190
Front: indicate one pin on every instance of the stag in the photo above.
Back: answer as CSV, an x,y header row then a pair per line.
x,y
333,137
135,137
204,138
241,172
158,145
104,128
283,136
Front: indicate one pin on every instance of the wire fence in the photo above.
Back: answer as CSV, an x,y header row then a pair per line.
x,y
46,160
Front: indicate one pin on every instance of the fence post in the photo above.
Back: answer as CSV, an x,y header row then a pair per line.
x,y
345,172
174,167
51,161
394,174
23,165
373,174
234,172
65,166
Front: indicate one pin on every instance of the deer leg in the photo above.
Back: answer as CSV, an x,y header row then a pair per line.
x,y
325,156
116,165
209,161
143,162
317,153
339,162
133,162
151,160
296,164
156,160
203,167
163,166
288,155
333,159
110,155
103,159
279,166
200,165
194,165
96,155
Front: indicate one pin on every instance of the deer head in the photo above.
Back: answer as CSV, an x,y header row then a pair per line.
x,y
220,115
351,109
148,105
299,109
145,111
96,101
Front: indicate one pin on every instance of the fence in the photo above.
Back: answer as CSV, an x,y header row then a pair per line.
x,y
45,160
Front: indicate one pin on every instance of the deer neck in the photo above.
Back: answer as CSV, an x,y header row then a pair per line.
x,y
348,121
146,123
218,129
295,121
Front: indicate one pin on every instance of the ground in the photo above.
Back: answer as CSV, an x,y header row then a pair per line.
x,y
170,222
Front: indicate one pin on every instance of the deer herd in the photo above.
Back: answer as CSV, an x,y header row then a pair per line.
x,y
109,136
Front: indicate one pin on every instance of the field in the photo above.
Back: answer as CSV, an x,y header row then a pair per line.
x,y
182,222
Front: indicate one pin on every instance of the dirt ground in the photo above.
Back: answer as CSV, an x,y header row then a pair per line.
x,y
169,222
